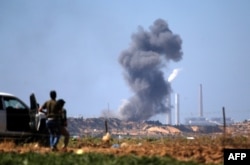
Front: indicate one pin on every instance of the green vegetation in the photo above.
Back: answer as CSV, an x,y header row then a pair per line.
x,y
86,159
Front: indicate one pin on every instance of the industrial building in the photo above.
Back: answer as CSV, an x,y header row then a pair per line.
x,y
200,120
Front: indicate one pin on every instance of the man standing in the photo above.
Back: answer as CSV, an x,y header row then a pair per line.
x,y
53,115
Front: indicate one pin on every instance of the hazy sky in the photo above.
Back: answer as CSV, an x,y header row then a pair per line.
x,y
73,47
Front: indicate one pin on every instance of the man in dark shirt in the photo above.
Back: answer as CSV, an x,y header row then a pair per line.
x,y
53,114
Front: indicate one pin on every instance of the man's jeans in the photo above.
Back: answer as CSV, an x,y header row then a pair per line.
x,y
54,131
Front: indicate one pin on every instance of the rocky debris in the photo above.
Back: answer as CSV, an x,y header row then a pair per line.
x,y
240,128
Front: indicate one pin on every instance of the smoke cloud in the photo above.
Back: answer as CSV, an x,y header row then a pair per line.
x,y
142,62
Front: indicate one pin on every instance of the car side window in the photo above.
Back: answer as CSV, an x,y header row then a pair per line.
x,y
13,103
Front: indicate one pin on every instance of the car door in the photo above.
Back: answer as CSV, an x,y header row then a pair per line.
x,y
17,114
33,112
2,116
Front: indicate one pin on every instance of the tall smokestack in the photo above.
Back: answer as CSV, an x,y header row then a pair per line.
x,y
200,101
142,62
169,116
177,106
171,77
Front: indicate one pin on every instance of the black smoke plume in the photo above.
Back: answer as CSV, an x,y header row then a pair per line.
x,y
149,52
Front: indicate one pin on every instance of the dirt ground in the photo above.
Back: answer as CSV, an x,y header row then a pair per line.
x,y
204,151
202,154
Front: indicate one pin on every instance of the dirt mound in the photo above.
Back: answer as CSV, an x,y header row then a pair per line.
x,y
164,130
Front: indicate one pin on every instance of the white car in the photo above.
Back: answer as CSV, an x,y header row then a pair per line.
x,y
19,121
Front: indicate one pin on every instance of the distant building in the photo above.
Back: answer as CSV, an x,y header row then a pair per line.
x,y
202,121
219,121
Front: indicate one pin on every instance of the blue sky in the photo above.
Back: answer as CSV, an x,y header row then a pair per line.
x,y
73,47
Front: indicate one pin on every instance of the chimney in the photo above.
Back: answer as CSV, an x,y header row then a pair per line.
x,y
200,102
169,110
177,115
